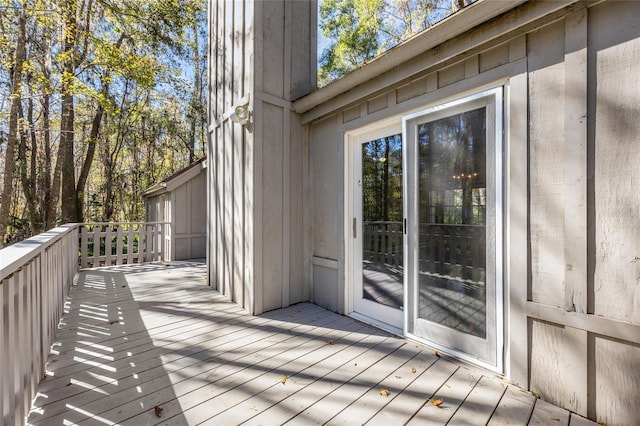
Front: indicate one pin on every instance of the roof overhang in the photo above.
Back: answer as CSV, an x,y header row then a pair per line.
x,y
354,85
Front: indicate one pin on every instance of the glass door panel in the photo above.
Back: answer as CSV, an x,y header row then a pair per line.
x,y
452,202
453,248
377,276
382,242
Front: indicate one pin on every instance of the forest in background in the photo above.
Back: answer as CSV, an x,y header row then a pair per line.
x,y
99,99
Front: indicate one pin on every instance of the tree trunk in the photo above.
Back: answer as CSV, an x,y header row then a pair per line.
x,y
28,172
12,139
69,195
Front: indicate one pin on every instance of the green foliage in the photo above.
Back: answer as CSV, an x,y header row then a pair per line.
x,y
128,60
359,30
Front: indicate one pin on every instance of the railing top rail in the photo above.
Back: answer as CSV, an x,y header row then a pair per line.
x,y
12,258
123,223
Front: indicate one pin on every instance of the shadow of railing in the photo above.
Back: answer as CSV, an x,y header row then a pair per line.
x,y
104,357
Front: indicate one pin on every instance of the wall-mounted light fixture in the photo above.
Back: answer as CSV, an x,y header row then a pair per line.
x,y
240,113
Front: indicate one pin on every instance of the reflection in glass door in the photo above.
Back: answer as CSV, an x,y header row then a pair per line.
x,y
454,233
382,241
452,185
378,290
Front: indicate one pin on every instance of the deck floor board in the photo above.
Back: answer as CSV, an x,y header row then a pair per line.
x,y
152,344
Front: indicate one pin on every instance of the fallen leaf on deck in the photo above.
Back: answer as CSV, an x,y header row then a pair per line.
x,y
254,408
413,370
384,392
284,379
158,410
555,420
448,385
330,342
602,423
436,402
52,361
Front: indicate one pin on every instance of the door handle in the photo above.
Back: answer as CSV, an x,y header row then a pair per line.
x,y
355,229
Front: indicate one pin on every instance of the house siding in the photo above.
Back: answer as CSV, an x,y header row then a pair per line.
x,y
256,178
572,79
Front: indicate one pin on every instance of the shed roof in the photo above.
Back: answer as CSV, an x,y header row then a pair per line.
x,y
176,179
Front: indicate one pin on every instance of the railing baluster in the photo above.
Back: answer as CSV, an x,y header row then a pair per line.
x,y
130,244
96,247
107,246
84,247
141,243
118,244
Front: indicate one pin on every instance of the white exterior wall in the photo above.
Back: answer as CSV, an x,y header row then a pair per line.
x,y
572,238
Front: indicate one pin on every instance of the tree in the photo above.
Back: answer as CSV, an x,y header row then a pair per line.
x,y
19,56
92,87
359,30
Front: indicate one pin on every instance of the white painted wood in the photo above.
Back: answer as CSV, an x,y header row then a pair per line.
x,y
478,407
342,395
452,393
107,246
130,245
28,319
84,247
516,228
119,244
575,166
419,392
216,363
622,330
578,420
515,407
4,363
546,414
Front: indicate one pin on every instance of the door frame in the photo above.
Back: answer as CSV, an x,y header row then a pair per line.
x,y
396,121
353,139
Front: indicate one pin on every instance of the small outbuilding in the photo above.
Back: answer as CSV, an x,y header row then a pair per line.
x,y
180,199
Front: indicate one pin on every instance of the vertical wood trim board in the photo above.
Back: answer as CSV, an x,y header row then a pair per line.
x,y
257,307
516,250
575,361
248,154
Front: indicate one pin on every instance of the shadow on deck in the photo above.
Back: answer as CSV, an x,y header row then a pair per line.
x,y
152,344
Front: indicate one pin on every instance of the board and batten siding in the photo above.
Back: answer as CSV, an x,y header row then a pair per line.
x,y
571,72
264,50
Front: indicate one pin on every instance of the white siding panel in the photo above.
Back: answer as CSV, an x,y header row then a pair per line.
x,y
546,112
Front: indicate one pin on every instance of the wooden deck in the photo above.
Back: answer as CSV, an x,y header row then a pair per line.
x,y
153,344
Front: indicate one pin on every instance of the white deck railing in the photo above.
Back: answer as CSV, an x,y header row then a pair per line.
x,y
119,243
35,276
